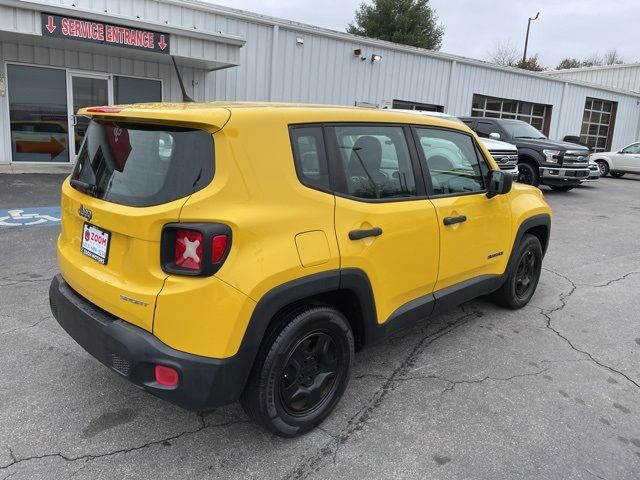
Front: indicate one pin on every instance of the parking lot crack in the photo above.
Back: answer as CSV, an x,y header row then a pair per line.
x,y
24,282
15,329
564,296
315,462
89,457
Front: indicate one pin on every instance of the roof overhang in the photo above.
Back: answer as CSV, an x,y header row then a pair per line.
x,y
193,48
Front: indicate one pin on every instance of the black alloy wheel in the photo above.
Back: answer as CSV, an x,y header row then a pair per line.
x,y
528,174
309,373
301,371
523,274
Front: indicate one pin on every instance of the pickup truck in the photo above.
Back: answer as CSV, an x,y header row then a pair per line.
x,y
505,154
560,165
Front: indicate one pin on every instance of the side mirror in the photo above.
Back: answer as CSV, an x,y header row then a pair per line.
x,y
494,135
498,183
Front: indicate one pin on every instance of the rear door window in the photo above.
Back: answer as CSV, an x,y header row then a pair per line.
x,y
141,165
373,162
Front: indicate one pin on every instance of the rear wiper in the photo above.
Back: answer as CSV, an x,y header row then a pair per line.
x,y
89,188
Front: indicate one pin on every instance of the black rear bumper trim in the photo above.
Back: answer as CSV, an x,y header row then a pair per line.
x,y
132,352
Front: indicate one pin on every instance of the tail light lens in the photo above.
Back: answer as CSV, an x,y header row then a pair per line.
x,y
188,249
195,249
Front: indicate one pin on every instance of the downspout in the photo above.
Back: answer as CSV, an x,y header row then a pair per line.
x,y
452,72
555,135
274,61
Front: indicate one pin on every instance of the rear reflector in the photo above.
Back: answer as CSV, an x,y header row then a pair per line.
x,y
218,248
188,249
166,376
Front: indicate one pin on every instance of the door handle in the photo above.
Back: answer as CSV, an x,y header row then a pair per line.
x,y
360,234
453,220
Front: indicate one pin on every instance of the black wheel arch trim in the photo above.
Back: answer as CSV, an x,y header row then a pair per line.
x,y
357,283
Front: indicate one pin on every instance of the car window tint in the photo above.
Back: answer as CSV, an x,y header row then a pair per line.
x,y
452,161
635,148
484,129
310,157
375,162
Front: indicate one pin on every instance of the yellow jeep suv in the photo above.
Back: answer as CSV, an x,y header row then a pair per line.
x,y
216,252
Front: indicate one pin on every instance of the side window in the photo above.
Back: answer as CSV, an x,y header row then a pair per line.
x,y
374,162
485,128
310,157
452,161
635,148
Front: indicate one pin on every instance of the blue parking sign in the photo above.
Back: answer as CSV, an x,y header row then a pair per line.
x,y
30,217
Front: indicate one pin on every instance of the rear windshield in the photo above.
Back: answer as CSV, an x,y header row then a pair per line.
x,y
141,165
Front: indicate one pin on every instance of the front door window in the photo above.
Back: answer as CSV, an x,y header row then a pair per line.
x,y
38,114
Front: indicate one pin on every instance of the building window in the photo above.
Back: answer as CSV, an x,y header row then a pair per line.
x,y
536,114
136,90
425,107
597,123
38,114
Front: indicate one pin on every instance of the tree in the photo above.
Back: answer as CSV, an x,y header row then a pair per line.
x,y
531,63
612,57
504,53
410,22
569,63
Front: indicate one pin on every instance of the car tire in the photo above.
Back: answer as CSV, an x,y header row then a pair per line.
x,y
522,280
603,167
617,174
562,188
301,371
528,174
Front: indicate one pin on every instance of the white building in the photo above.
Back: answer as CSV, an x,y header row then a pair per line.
x,y
625,76
56,56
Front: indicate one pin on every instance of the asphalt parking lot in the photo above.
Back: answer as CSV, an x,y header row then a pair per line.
x,y
550,391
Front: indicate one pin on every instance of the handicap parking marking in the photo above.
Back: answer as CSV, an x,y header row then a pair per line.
x,y
30,217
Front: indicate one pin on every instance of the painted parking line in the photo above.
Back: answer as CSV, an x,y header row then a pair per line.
x,y
30,217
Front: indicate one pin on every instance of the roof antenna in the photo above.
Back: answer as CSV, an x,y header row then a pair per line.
x,y
185,98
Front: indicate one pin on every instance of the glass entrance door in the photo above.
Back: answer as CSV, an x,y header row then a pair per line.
x,y
86,91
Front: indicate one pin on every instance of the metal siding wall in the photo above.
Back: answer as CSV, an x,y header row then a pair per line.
x,y
625,78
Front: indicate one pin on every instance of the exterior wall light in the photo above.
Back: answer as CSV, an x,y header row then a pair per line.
x,y
300,41
357,52
376,58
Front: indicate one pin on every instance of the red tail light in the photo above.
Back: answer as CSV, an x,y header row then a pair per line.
x,y
188,249
195,249
218,248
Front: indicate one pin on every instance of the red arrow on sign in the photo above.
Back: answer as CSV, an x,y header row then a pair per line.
x,y
53,147
50,25
162,44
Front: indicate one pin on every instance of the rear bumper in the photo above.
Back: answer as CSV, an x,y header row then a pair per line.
x,y
133,353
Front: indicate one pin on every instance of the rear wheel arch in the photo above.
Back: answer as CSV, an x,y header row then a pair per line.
x,y
348,291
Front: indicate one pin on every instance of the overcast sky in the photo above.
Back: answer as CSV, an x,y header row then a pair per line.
x,y
575,28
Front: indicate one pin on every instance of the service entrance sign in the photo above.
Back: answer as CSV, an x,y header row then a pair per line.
x,y
106,33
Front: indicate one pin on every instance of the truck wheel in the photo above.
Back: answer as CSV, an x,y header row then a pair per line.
x,y
617,174
301,371
603,167
528,174
522,281
562,188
